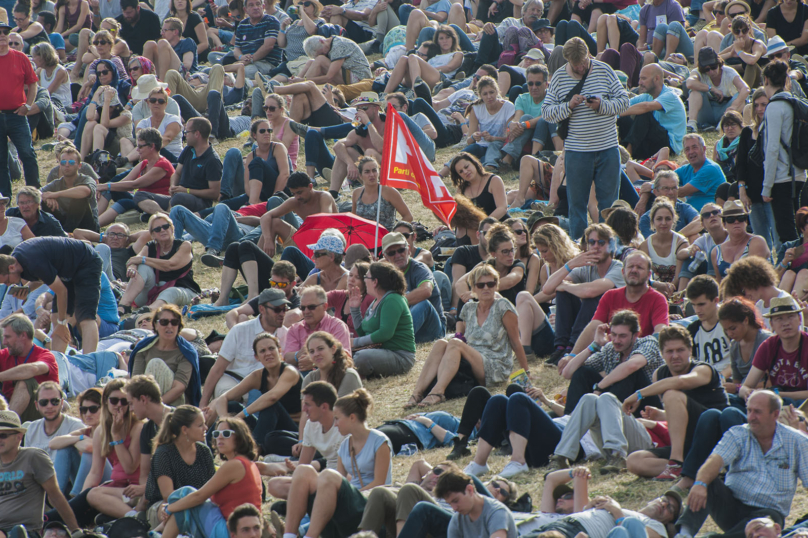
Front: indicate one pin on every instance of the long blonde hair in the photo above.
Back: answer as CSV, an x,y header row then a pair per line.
x,y
556,241
105,427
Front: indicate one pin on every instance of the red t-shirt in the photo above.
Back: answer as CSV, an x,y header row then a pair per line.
x,y
17,72
652,308
660,435
160,186
38,354
787,371
254,210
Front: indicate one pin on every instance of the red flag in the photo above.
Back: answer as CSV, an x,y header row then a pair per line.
x,y
404,166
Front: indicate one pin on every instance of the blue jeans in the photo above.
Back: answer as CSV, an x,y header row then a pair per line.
x,y
232,174
685,46
404,13
216,231
543,133
426,322
317,153
711,426
584,167
303,265
565,30
572,316
426,143
489,154
72,469
462,39
16,129
521,415
761,217
630,527
445,287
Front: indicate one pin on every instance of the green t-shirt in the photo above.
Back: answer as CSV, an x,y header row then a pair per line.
x,y
525,103
390,324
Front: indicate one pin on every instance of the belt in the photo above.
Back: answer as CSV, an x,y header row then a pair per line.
x,y
13,111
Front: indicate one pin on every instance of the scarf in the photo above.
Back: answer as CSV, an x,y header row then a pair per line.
x,y
724,152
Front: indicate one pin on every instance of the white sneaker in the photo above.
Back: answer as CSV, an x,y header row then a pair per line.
x,y
274,458
513,468
476,469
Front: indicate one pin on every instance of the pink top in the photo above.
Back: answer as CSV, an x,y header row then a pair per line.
x,y
118,474
299,332
294,147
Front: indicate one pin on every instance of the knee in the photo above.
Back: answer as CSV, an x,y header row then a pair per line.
x,y
673,397
590,400
164,45
304,473
523,299
606,400
329,478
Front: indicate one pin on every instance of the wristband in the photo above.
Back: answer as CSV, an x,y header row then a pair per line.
x,y
571,474
593,347
116,443
738,388
699,483
187,190
246,414
81,437
567,267
143,259
619,520
296,361
639,395
430,427
165,509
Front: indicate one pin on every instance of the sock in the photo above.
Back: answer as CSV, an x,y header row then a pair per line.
x,y
131,513
528,349
289,535
674,462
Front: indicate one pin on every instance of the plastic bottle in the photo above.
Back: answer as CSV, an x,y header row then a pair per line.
x,y
526,124
409,449
699,259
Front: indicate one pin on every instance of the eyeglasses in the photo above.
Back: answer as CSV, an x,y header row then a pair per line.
x,y
65,162
117,235
53,401
519,232
156,101
101,42
165,322
742,31
114,400
368,277
483,285
395,252
502,491
778,55
719,12
89,409
134,68
4,435
281,285
710,214
506,251
533,83
733,220
310,307
264,130
141,146
5,31
437,471
278,309
186,131
223,433
736,14
160,228
270,108
104,73
321,253
421,54
593,242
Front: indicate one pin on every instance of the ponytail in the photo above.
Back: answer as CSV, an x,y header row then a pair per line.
x,y
358,403
170,430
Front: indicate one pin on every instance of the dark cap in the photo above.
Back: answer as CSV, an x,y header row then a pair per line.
x,y
214,336
538,218
560,491
58,525
273,296
707,57
541,24
677,498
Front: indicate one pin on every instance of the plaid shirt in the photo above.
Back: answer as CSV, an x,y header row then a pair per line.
x,y
607,359
764,480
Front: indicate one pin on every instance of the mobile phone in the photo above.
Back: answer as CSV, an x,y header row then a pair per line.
x,y
590,98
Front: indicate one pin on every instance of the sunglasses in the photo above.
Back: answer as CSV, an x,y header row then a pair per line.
x,y
506,251
437,471
89,409
101,42
718,12
733,220
156,101
321,253
65,162
114,400
5,31
307,4
364,108
186,131
165,322
263,131
742,31
310,307
567,496
502,491
134,68
593,242
406,235
533,83
710,214
714,68
141,146
395,252
160,228
778,55
519,232
736,14
53,401
15,44
475,76
104,73
6,435
483,285
280,285
270,108
278,309
223,433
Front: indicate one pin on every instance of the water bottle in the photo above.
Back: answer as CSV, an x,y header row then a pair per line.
x,y
698,260
410,449
551,317
526,124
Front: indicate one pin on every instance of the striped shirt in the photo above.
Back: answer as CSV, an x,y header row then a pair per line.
x,y
589,130
764,480
249,37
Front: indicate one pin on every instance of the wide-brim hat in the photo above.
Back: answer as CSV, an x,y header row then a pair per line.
x,y
145,85
780,306
616,205
733,208
538,218
535,54
315,2
329,243
10,421
367,98
740,3
776,45
541,24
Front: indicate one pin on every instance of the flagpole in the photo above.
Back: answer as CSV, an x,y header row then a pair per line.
x,y
387,133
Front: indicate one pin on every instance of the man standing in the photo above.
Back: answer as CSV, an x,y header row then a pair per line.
x,y
764,460
72,270
688,388
137,25
711,344
197,177
15,103
423,295
71,198
28,209
700,178
475,515
655,119
236,357
588,93
28,477
313,303
579,285
23,366
48,399
256,38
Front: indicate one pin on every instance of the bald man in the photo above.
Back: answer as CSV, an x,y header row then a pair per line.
x,y
656,118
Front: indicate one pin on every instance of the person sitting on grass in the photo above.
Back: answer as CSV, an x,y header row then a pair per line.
x,y
492,517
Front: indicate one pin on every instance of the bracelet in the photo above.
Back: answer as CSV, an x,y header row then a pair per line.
x,y
296,361
619,520
639,395
567,267
165,509
430,427
246,414
81,437
143,259
187,190
571,474
593,347
741,185
738,388
116,443
699,483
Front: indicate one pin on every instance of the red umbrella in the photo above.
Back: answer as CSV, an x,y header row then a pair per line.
x,y
355,229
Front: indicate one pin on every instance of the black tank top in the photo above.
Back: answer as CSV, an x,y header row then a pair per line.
x,y
186,281
711,395
291,400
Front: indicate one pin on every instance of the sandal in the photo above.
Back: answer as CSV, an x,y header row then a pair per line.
x,y
414,400
441,398
124,310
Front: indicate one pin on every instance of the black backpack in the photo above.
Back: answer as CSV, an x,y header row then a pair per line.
x,y
798,148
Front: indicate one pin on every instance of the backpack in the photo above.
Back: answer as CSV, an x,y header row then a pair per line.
x,y
510,56
798,147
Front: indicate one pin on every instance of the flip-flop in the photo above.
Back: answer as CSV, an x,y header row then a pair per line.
x,y
441,398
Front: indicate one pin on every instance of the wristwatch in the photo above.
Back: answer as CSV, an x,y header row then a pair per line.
x,y
595,388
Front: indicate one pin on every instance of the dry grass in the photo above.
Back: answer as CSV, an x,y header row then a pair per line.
x,y
391,393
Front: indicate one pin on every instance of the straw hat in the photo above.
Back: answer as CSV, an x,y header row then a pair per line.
x,y
145,85
616,205
781,306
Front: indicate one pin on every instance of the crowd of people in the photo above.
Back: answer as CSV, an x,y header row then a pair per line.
x,y
669,297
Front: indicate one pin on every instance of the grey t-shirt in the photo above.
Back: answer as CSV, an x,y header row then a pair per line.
x,y
589,273
598,523
494,517
35,436
350,382
22,498
68,204
740,369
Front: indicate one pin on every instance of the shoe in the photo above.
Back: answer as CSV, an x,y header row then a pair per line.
x,y
557,463
212,258
673,471
48,146
503,166
692,126
513,468
248,144
615,463
476,469
459,450
327,175
460,75
144,217
277,523
422,91
375,47
298,128
213,141
556,355
103,519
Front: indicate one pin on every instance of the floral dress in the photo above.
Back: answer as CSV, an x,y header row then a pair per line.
x,y
490,339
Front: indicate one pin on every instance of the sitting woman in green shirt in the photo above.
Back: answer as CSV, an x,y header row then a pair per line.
x,y
386,342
